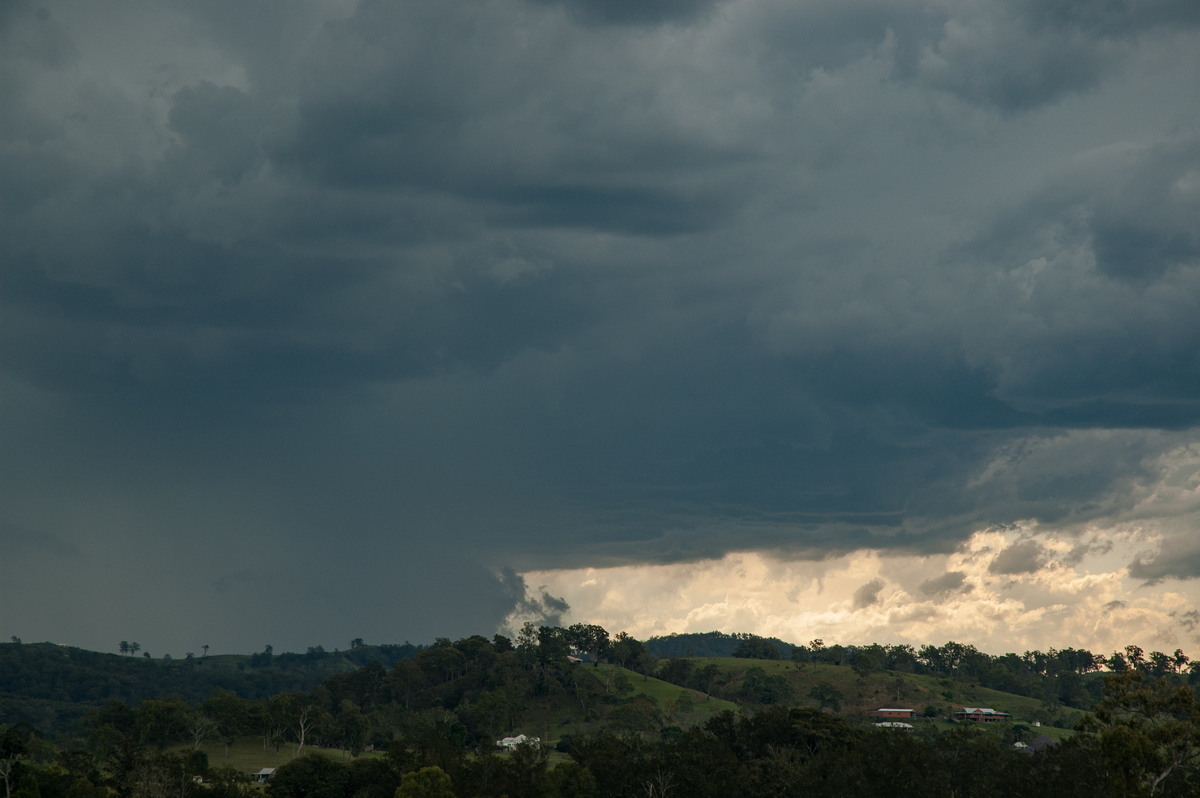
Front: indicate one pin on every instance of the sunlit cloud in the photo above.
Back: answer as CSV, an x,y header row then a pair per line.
x,y
1058,591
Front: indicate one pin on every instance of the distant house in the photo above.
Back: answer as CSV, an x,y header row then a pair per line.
x,y
892,712
1039,743
263,776
981,715
509,743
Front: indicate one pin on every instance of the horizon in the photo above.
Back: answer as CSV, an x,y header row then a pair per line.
x,y
334,650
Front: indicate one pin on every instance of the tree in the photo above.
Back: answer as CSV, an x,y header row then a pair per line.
x,y
589,638
312,776
639,714
754,647
827,696
204,648
161,722
816,649
303,721
27,787
229,712
761,688
627,651
868,659
524,771
428,782
1149,729
12,750
349,726
123,647
116,739
201,728
571,780
681,704
299,715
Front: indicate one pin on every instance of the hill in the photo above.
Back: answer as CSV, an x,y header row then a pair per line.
x,y
51,686
842,691
606,712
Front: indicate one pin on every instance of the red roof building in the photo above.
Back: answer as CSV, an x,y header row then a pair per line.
x,y
892,712
981,715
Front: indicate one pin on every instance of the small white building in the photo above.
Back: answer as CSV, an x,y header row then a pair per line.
x,y
509,743
263,776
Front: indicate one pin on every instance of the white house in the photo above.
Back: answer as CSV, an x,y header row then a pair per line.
x,y
509,743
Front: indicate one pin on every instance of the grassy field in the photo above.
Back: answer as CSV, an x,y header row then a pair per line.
x,y
247,754
550,723
861,694
666,694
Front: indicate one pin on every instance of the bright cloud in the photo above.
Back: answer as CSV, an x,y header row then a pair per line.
x,y
1079,594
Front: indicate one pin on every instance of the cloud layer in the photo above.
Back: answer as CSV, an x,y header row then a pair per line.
x,y
1085,601
320,317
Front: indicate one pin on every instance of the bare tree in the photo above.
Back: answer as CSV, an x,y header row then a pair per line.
x,y
202,728
6,769
303,723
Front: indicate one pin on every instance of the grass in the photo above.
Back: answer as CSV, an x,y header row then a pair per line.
x,y
247,754
862,694
553,720
703,706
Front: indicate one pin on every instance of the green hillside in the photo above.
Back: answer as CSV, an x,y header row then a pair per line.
x,y
841,691
51,686
365,719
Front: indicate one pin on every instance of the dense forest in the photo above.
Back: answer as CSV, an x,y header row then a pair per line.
x,y
601,715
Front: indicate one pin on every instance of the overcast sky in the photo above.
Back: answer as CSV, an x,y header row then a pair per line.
x,y
870,320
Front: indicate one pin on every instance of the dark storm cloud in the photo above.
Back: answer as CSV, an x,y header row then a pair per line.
x,y
1188,620
868,595
538,608
218,128
1099,302
33,35
633,12
1022,557
1171,565
1078,552
1018,56
1146,227
410,292
949,582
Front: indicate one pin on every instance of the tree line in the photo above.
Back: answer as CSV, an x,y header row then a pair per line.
x,y
432,718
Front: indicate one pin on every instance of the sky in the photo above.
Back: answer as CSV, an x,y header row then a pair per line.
x,y
866,320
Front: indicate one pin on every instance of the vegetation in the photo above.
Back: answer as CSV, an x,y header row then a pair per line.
x,y
51,687
609,718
